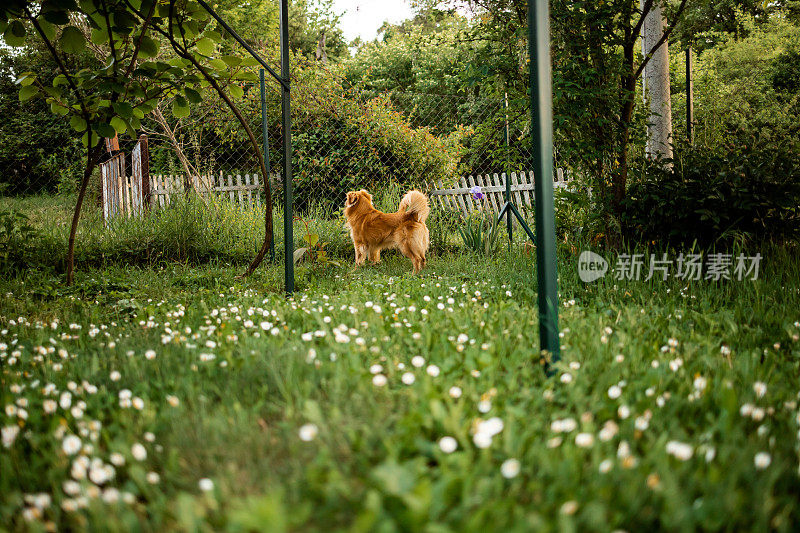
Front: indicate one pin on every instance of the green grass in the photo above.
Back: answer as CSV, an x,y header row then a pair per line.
x,y
375,462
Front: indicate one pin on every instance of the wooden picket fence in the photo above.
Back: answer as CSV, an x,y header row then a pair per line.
x,y
129,195
125,195
243,189
493,186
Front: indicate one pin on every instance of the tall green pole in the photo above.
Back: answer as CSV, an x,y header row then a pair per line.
x,y
288,216
689,98
508,172
542,160
265,143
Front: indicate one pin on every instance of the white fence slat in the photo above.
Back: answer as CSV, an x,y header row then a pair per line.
x,y
487,202
527,178
444,198
463,182
462,206
499,197
515,194
257,190
248,190
239,188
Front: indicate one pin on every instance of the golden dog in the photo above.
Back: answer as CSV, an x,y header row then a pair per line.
x,y
373,231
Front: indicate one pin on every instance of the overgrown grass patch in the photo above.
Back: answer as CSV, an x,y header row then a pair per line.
x,y
673,406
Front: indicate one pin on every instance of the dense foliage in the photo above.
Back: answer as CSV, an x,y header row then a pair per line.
x,y
38,150
715,198
746,90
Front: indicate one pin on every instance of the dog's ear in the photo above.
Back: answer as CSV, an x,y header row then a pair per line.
x,y
352,199
366,195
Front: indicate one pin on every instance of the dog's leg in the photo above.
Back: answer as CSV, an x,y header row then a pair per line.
x,y
408,251
375,255
361,254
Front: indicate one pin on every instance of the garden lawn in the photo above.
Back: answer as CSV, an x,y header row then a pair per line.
x,y
181,397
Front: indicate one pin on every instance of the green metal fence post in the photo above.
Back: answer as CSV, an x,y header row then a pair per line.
x,y
689,98
288,218
265,138
508,173
542,137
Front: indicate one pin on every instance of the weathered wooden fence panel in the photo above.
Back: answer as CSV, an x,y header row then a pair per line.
x,y
112,178
125,195
459,197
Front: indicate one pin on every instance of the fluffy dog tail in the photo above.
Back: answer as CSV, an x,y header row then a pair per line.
x,y
417,203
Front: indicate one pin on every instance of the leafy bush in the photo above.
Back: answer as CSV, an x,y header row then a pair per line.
x,y
712,198
786,72
745,89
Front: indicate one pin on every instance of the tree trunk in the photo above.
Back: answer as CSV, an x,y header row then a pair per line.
x,y
92,154
656,83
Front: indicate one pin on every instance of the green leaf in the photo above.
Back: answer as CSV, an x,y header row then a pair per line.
x,y
59,17
66,5
119,125
55,92
218,64
232,61
235,91
60,80
106,130
14,34
123,109
95,138
205,46
58,109
72,40
192,95
298,254
99,36
148,48
48,29
246,75
25,79
180,107
122,21
27,92
77,123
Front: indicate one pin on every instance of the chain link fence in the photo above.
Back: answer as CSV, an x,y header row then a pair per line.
x,y
341,140
345,139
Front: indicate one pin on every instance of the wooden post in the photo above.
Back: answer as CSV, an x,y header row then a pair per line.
x,y
144,165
